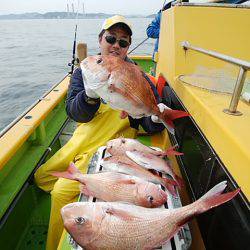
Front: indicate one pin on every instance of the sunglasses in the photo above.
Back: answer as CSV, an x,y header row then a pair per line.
x,y
112,40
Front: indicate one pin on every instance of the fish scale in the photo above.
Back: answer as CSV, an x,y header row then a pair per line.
x,y
119,192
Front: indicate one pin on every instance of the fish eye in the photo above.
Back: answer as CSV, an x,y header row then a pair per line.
x,y
79,220
123,140
99,61
150,198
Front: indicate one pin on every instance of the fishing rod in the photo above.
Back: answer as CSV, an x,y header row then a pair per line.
x,y
74,59
138,45
163,5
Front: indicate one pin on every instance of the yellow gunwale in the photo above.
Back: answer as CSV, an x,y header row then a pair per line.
x,y
141,57
205,28
227,134
13,139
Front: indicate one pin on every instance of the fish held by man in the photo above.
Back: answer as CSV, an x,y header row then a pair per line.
x,y
106,225
122,164
112,186
119,146
124,87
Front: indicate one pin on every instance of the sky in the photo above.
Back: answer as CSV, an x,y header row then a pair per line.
x,y
124,7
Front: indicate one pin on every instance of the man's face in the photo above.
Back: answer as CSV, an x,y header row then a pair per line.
x,y
114,49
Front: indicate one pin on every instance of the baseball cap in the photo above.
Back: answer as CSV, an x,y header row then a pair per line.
x,y
115,20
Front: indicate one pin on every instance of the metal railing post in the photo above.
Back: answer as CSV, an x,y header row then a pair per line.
x,y
232,110
244,66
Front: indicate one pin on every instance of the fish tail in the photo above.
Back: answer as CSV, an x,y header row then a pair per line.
x,y
169,115
123,114
70,173
170,185
179,181
172,151
214,197
161,82
211,199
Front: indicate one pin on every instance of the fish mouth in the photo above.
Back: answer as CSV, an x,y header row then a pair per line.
x,y
164,196
160,201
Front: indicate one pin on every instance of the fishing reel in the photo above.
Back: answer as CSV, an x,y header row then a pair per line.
x,y
74,63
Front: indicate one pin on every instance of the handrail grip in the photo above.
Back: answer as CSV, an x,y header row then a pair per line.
x,y
244,66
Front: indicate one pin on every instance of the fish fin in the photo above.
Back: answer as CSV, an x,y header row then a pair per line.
x,y
161,82
179,181
170,185
127,181
211,199
125,94
216,200
71,172
172,151
124,215
172,114
123,114
137,160
169,126
216,190
84,190
168,115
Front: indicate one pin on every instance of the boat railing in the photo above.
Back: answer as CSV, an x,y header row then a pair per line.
x,y
244,67
210,4
8,127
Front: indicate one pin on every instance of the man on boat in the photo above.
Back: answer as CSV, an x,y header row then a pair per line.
x,y
99,123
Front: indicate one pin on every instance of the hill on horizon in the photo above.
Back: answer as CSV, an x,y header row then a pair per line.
x,y
64,15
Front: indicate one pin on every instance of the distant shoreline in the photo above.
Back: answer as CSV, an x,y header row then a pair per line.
x,y
63,15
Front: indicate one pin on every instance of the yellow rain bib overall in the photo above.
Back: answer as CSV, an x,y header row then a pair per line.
x,y
87,138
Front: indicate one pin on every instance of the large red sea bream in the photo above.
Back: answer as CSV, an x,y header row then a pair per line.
x,y
105,225
123,86
112,186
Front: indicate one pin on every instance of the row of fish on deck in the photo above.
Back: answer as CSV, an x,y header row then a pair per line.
x,y
129,183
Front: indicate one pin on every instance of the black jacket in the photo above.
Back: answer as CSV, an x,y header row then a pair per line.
x,y
80,111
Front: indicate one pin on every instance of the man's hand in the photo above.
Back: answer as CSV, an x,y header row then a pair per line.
x,y
90,93
162,107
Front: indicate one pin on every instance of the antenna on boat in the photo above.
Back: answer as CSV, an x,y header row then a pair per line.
x,y
83,8
67,10
74,59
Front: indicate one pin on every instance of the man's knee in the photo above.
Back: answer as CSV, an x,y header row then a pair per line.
x,y
65,190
